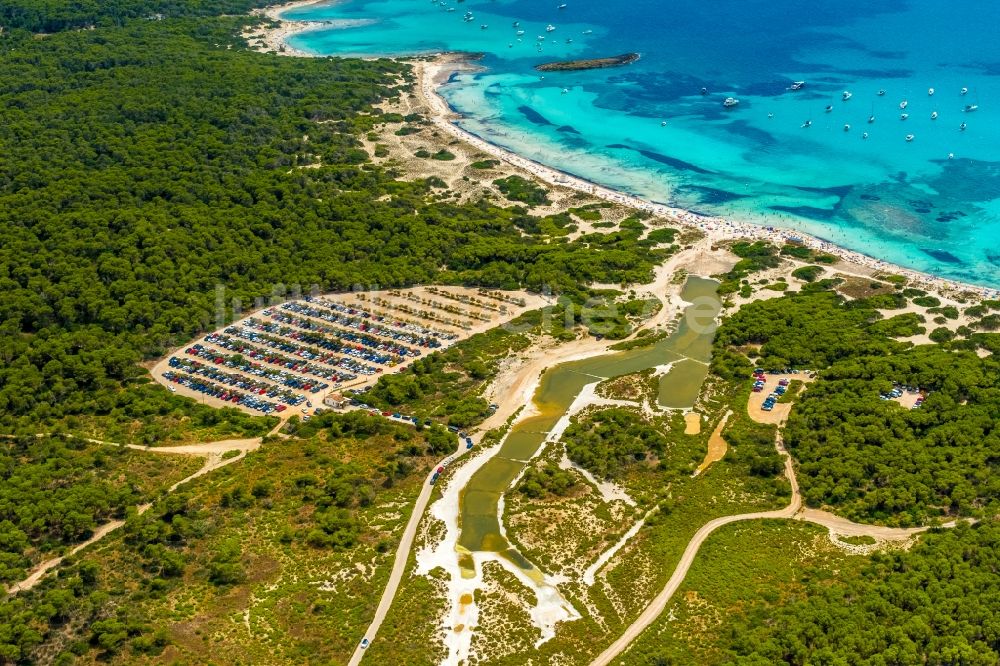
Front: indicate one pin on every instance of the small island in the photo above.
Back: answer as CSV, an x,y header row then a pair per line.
x,y
590,63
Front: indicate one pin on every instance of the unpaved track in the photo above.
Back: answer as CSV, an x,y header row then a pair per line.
x,y
402,557
794,511
659,603
213,453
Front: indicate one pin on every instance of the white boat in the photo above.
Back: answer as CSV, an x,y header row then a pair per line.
x,y
969,108
847,95
909,137
483,26
871,119
807,123
964,91
520,33
730,102
904,116
663,123
588,32
549,28
951,156
516,23
881,93
562,6
565,91
847,128
930,91
934,115
797,85
962,127
864,135
829,108
903,104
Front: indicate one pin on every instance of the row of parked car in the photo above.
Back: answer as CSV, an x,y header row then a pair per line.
x,y
434,336
388,352
241,345
327,313
305,346
252,386
760,381
227,394
345,361
237,362
898,390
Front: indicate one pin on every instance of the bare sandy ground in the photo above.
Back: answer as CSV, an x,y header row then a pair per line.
x,y
692,423
717,446
781,411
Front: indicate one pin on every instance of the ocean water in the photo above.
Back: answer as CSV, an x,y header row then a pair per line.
x,y
932,203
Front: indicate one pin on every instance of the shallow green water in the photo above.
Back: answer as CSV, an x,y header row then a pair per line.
x,y
689,348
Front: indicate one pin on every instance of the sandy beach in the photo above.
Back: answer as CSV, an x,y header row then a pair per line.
x,y
274,38
433,72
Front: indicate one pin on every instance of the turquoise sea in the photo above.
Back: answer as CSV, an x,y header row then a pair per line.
x,y
932,203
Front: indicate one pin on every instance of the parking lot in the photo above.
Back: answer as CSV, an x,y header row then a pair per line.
x,y
772,382
285,358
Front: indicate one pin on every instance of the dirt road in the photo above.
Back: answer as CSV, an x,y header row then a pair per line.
x,y
213,452
402,557
794,510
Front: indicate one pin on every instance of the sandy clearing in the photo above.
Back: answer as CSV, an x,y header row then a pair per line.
x,y
403,555
692,423
781,411
717,446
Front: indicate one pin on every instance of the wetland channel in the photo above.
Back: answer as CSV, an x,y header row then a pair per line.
x,y
687,350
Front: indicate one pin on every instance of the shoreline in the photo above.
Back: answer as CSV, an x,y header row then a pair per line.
x,y
433,71
275,38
